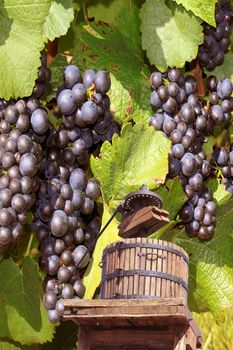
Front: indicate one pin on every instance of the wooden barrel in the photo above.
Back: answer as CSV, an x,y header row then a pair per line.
x,y
140,268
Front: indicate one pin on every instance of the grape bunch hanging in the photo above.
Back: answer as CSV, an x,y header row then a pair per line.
x,y
44,171
23,128
66,218
186,119
216,40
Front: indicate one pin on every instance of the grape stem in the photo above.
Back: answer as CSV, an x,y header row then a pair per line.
x,y
197,72
85,13
52,50
29,245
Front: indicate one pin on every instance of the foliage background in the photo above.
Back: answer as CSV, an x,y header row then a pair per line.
x,y
130,38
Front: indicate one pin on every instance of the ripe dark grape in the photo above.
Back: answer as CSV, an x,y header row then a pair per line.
x,y
72,76
81,256
39,121
88,78
102,82
59,223
89,112
216,40
187,113
79,93
28,165
66,102
187,212
156,80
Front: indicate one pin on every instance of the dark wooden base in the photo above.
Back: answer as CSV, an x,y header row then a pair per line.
x,y
158,324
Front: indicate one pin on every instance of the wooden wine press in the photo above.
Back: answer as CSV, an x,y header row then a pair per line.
x,y
143,292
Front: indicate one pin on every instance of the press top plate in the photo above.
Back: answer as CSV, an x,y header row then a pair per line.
x,y
142,198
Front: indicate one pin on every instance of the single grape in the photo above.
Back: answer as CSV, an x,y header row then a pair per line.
x,y
77,179
63,274
188,164
186,213
155,100
102,81
92,189
79,289
67,291
156,80
81,256
187,113
89,112
72,76
59,223
28,165
79,93
53,316
60,307
216,113
88,78
65,102
199,213
40,121
50,300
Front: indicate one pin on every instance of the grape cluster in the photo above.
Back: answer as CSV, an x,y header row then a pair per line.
x,y
84,105
186,120
23,127
216,40
223,159
66,224
220,99
66,219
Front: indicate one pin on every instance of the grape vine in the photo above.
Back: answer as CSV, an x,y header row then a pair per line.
x,y
124,94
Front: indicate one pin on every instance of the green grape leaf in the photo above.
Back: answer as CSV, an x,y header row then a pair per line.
x,y
21,41
117,48
93,272
170,35
205,9
208,145
211,272
106,9
60,15
225,70
57,67
173,197
220,194
23,316
139,156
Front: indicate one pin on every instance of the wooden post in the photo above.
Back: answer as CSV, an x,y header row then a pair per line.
x,y
145,324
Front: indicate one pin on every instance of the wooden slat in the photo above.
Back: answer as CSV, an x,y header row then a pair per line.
x,y
158,280
148,268
110,303
132,253
164,270
137,266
